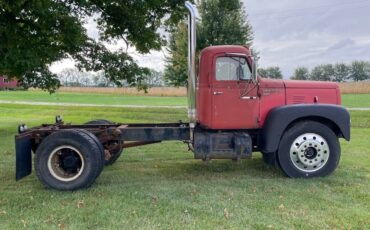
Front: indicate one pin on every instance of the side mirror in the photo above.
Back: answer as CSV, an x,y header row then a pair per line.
x,y
255,59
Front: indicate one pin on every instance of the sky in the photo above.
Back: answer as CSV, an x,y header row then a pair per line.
x,y
292,33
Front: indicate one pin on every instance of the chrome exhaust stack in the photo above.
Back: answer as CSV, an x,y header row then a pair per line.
x,y
192,45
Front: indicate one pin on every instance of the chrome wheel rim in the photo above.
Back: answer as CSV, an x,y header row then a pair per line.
x,y
66,163
309,152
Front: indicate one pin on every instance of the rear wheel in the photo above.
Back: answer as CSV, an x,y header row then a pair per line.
x,y
69,160
112,155
309,149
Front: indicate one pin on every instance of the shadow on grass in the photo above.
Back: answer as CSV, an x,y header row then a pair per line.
x,y
188,169
158,170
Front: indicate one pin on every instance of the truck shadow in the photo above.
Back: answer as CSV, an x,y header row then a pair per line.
x,y
251,168
190,169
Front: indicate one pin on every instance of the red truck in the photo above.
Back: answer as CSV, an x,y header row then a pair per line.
x,y
232,113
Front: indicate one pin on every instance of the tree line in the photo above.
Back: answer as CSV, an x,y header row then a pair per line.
x,y
340,72
72,77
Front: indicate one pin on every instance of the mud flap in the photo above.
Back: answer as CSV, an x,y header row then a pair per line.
x,y
23,147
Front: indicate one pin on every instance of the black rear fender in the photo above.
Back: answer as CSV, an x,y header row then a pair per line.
x,y
281,118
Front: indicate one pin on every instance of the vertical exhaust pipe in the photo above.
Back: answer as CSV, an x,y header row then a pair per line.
x,y
192,45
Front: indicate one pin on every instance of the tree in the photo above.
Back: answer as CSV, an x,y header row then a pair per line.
x,y
100,80
301,73
176,72
360,70
36,33
271,72
329,72
322,73
74,77
317,73
223,23
155,79
341,72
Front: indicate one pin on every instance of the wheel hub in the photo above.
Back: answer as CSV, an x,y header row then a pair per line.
x,y
66,163
309,152
70,162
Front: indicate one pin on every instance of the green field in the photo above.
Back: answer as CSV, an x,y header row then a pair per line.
x,y
91,98
349,100
160,186
356,100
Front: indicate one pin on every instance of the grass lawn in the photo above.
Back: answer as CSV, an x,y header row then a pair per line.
x,y
349,100
161,187
356,100
91,98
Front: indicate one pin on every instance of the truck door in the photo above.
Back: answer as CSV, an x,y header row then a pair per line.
x,y
235,100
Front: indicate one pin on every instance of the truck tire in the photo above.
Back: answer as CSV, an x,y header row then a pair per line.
x,y
99,122
114,154
69,160
309,149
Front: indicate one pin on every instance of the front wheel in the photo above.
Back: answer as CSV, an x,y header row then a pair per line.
x,y
309,149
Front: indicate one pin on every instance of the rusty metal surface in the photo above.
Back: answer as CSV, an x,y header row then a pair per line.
x,y
138,143
111,133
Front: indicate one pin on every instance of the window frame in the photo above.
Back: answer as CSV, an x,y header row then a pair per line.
x,y
233,55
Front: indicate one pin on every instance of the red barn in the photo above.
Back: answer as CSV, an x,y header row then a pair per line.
x,y
6,83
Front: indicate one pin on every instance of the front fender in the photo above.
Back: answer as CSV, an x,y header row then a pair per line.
x,y
280,118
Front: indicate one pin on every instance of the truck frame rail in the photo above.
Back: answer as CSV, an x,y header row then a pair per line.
x,y
113,136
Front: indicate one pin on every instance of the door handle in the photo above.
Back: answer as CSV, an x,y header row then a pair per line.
x,y
217,93
248,98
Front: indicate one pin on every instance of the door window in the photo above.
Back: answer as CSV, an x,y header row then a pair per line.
x,y
232,69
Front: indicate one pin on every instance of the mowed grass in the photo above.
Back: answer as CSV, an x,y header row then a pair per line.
x,y
349,100
161,186
91,98
356,100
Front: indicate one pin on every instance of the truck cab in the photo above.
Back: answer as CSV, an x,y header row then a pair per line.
x,y
238,112
229,98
